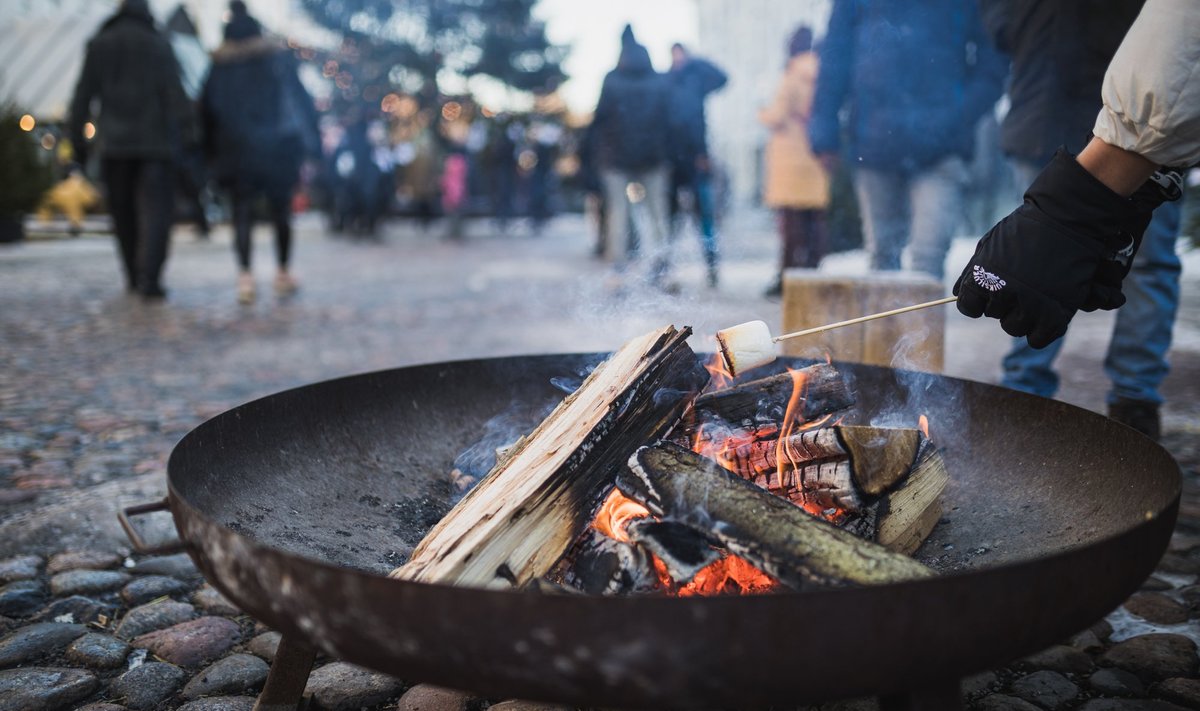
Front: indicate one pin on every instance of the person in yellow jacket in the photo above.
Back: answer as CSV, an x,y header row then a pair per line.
x,y
73,196
796,184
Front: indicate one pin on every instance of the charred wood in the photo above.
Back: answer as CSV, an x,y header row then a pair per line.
x,y
517,521
773,534
682,550
764,401
605,566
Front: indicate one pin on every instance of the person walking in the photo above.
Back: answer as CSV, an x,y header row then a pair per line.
x,y
632,135
692,80
917,77
131,76
260,124
797,186
1059,53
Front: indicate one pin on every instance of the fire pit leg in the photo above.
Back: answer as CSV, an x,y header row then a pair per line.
x,y
288,677
943,696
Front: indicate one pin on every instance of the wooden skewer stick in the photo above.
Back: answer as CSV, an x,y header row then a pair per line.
x,y
862,319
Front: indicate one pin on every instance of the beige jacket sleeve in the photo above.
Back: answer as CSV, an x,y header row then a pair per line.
x,y
1151,91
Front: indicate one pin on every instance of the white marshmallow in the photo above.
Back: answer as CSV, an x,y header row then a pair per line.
x,y
746,346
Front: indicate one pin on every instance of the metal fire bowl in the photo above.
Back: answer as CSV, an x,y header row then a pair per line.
x,y
296,506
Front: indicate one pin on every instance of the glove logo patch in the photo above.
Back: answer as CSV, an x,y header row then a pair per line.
x,y
987,280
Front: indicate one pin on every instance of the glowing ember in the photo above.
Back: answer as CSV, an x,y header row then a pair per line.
x,y
729,576
615,514
923,424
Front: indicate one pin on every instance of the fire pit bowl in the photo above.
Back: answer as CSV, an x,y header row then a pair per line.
x,y
297,505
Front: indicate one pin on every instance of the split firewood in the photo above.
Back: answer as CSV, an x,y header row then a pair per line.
x,y
765,400
517,521
773,534
912,509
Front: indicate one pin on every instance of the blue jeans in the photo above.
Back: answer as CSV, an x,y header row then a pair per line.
x,y
1136,362
921,210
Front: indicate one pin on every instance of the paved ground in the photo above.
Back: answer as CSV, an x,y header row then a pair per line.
x,y
96,386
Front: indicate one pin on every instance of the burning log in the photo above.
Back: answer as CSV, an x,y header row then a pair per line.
x,y
776,536
764,400
681,549
606,566
515,523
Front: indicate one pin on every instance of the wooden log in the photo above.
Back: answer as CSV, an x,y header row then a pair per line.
x,y
681,549
765,400
914,340
911,510
827,466
514,524
771,533
603,566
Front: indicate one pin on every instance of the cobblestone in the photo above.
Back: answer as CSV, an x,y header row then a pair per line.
x,y
36,641
44,689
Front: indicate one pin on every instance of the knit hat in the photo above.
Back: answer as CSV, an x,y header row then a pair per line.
x,y
241,25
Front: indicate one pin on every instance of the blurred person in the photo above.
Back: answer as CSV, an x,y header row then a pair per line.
x,y
356,178
916,77
500,166
632,139
454,179
260,124
1059,54
691,80
130,72
796,183
544,136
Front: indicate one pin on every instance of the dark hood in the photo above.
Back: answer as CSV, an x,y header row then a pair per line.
x,y
133,10
635,59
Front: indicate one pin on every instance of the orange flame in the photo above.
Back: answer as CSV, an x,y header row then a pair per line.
x,y
923,423
783,454
615,514
719,373
730,575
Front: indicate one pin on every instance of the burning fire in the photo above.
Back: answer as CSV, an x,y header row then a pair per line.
x,y
720,377
923,424
615,514
730,575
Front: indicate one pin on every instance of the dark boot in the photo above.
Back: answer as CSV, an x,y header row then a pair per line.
x,y
1140,415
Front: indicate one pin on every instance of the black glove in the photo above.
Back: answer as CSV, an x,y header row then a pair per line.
x,y
1067,247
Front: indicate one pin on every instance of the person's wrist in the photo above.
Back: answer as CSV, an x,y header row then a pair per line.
x,y
1119,170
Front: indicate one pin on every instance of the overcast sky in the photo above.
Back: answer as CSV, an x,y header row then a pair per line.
x,y
593,30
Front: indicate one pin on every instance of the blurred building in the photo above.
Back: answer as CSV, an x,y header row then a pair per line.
x,y
747,38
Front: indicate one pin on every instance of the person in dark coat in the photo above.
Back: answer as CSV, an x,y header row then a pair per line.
x,y
130,73
692,79
260,125
632,138
917,77
1059,53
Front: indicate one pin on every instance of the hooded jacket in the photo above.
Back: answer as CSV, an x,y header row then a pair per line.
x,y
915,76
631,122
259,121
130,70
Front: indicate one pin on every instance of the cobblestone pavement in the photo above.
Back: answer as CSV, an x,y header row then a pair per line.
x,y
96,386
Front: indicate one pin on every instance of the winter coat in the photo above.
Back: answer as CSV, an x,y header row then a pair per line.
x,y
260,123
794,177
1151,91
690,85
1059,52
917,77
631,121
130,69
